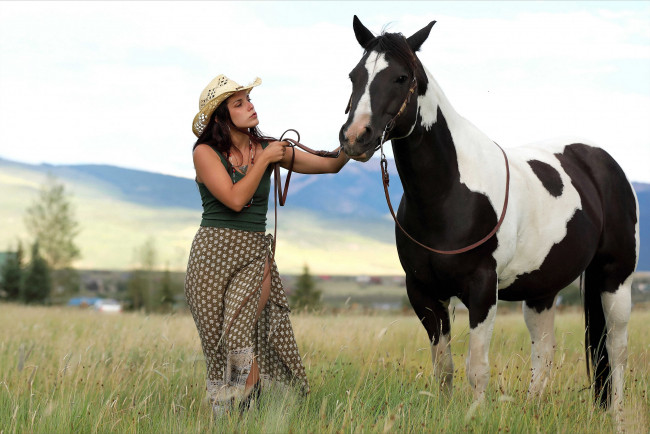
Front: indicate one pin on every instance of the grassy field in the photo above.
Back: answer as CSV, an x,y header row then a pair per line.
x,y
64,370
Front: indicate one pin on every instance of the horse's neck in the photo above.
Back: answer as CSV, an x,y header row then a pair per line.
x,y
442,150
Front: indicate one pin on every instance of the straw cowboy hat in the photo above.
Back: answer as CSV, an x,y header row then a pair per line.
x,y
214,94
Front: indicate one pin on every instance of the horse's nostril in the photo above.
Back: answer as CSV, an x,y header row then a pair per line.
x,y
343,135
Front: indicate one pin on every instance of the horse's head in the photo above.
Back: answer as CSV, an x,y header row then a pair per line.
x,y
382,84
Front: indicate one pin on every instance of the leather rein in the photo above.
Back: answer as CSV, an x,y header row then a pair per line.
x,y
280,195
385,181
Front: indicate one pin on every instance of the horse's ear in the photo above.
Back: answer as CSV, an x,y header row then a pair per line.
x,y
418,38
361,32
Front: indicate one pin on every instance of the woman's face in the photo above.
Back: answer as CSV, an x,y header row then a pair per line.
x,y
242,112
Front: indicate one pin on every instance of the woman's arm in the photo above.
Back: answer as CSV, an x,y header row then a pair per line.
x,y
211,172
309,163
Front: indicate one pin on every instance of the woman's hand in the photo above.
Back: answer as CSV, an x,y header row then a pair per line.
x,y
275,151
305,162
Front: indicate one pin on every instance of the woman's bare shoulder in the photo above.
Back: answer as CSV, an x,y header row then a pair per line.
x,y
203,151
204,148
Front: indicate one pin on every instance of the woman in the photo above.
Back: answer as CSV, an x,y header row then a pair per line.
x,y
232,287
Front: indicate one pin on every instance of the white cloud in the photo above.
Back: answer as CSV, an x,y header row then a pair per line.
x,y
118,83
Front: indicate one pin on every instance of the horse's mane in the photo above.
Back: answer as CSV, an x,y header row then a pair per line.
x,y
395,45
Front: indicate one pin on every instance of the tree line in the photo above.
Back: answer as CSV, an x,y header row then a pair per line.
x,y
47,275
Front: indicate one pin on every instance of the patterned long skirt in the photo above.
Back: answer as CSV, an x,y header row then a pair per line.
x,y
223,286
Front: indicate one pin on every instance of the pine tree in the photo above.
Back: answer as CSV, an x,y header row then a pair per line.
x,y
37,284
12,274
305,296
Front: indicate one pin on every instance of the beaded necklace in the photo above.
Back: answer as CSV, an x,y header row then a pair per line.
x,y
242,168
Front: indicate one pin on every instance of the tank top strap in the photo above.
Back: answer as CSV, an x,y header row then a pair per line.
x,y
223,159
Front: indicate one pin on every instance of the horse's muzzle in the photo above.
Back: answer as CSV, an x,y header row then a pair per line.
x,y
362,158
357,147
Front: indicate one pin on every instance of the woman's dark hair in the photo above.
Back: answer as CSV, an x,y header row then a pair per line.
x,y
216,133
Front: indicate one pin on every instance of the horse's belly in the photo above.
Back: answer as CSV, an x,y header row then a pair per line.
x,y
543,227
561,265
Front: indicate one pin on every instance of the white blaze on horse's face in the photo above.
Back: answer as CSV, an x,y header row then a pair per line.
x,y
375,63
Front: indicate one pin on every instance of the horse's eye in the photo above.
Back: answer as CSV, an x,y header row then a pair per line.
x,y
401,79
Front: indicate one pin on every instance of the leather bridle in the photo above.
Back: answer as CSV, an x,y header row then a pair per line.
x,y
385,180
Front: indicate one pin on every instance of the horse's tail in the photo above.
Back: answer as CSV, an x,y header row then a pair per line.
x,y
595,335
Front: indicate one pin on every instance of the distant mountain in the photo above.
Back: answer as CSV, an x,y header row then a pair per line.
x,y
356,191
145,188
350,203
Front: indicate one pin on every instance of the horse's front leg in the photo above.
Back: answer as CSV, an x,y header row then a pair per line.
x,y
480,297
434,315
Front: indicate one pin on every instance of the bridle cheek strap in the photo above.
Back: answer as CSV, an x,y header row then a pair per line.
x,y
391,123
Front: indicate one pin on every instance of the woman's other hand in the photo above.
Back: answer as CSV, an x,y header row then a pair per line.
x,y
275,151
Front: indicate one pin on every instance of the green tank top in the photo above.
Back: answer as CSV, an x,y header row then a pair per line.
x,y
251,218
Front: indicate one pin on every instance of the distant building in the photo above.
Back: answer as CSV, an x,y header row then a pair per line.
x,y
106,305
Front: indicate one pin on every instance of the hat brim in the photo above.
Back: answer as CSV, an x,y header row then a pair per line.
x,y
203,116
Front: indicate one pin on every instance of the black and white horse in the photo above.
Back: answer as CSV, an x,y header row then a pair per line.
x,y
571,210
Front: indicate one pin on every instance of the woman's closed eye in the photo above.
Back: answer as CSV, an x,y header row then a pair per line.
x,y
239,103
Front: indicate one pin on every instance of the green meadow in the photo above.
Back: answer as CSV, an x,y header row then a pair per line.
x,y
66,370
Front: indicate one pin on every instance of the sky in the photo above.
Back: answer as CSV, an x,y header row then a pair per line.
x,y
118,82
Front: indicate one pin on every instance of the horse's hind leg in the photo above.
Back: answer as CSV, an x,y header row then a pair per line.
x,y
617,307
434,315
607,291
608,305
539,317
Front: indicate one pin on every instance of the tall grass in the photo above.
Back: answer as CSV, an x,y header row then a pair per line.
x,y
64,370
